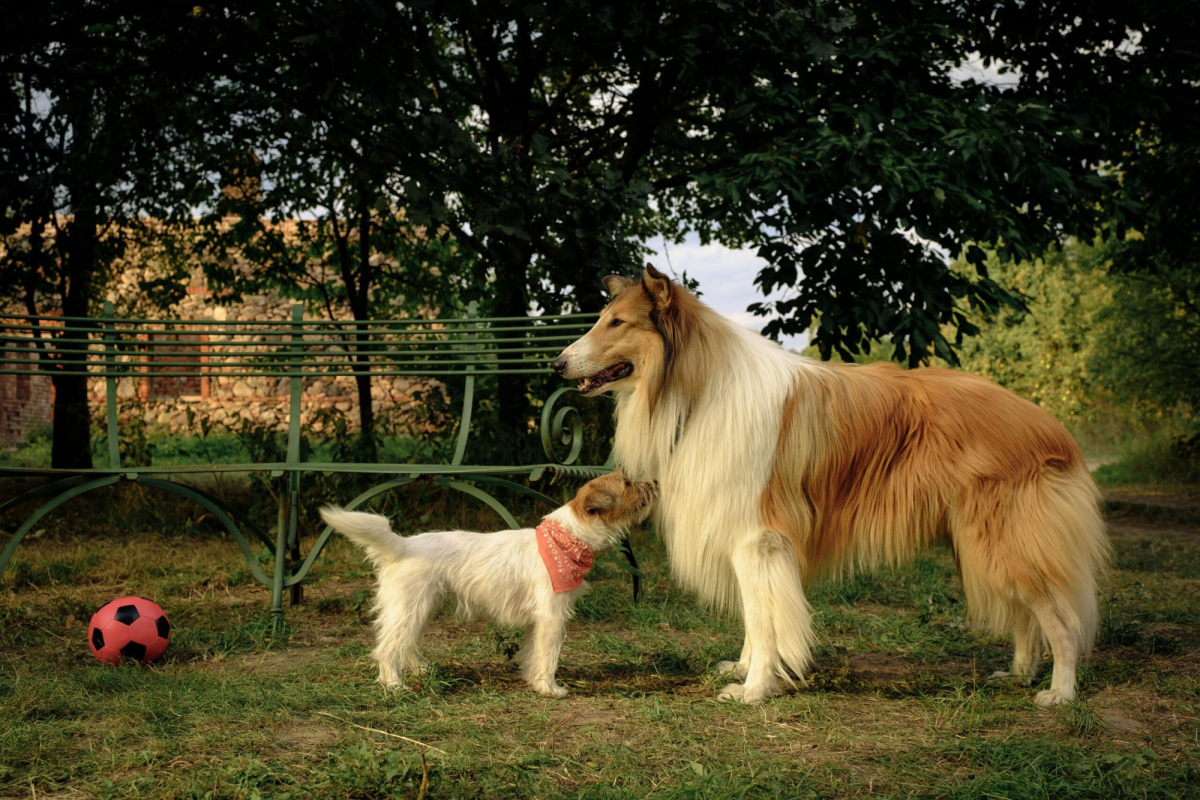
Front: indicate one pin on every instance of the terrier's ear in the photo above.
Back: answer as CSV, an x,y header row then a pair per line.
x,y
615,284
596,501
658,286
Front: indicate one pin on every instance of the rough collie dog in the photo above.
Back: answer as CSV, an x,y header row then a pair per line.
x,y
525,578
775,469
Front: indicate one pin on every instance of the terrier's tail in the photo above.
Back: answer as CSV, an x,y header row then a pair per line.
x,y
371,532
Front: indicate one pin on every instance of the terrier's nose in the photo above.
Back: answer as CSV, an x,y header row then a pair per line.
x,y
559,364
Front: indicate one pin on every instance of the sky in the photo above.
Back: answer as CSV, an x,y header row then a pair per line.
x,y
726,278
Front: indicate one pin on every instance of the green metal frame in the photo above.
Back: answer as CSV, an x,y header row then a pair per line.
x,y
464,347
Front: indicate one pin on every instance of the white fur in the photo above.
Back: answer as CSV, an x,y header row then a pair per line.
x,y
498,576
720,548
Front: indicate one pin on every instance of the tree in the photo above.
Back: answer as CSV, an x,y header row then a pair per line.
x,y
550,139
306,222
1099,344
1053,354
93,119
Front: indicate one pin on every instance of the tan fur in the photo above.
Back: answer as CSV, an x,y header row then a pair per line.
x,y
613,499
661,333
851,466
875,462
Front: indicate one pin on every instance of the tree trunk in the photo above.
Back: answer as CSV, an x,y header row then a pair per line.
x,y
361,308
366,409
71,445
512,264
357,277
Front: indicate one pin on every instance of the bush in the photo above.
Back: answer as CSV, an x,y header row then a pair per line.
x,y
1163,460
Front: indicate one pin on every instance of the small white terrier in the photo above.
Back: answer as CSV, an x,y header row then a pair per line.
x,y
526,578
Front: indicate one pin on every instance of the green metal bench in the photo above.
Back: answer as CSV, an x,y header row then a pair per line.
x,y
464,348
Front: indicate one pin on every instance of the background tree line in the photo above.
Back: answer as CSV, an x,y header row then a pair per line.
x,y
529,149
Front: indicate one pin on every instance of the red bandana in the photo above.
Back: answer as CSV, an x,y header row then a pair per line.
x,y
567,558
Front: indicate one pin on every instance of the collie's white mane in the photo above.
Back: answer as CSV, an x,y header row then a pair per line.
x,y
708,453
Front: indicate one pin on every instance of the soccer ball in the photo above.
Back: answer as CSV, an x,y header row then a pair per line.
x,y
129,629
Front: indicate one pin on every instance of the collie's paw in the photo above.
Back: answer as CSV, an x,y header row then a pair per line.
x,y
733,692
735,668
1050,698
747,695
1002,675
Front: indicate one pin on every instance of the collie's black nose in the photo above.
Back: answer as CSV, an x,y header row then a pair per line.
x,y
559,364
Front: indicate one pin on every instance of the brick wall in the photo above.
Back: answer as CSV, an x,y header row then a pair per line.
x,y
25,402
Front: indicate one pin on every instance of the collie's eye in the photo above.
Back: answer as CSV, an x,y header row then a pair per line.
x,y
615,322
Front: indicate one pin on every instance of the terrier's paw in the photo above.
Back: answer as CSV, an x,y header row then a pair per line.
x,y
735,668
1050,698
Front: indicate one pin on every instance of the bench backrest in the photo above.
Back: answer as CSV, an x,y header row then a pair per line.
x,y
295,350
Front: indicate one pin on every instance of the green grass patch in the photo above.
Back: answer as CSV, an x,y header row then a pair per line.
x,y
246,706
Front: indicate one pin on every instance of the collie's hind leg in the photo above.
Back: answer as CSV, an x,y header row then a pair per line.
x,y
1027,645
1061,626
777,617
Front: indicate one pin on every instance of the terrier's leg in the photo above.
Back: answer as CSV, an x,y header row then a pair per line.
x,y
527,646
403,605
541,662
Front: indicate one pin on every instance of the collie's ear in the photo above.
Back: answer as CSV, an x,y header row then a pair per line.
x,y
658,286
615,284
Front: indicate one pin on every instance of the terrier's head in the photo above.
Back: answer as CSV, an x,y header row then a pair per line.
x,y
607,507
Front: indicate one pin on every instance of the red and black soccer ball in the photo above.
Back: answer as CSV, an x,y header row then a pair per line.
x,y
129,629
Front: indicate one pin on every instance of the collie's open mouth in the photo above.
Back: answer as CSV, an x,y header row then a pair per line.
x,y
616,372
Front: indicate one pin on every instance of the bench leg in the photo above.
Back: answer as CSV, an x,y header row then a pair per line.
x,y
294,532
281,541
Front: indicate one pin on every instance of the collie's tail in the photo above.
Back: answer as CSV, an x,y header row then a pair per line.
x,y
371,532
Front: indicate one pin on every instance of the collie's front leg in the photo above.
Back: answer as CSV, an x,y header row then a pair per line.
x,y
739,668
777,616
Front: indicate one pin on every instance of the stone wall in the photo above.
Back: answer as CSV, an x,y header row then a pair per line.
x,y
260,401
165,402
26,402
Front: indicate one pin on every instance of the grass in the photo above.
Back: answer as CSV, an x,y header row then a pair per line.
x,y
160,448
897,704
1160,459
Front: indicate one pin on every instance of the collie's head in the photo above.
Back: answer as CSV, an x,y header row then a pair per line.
x,y
605,508
638,339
